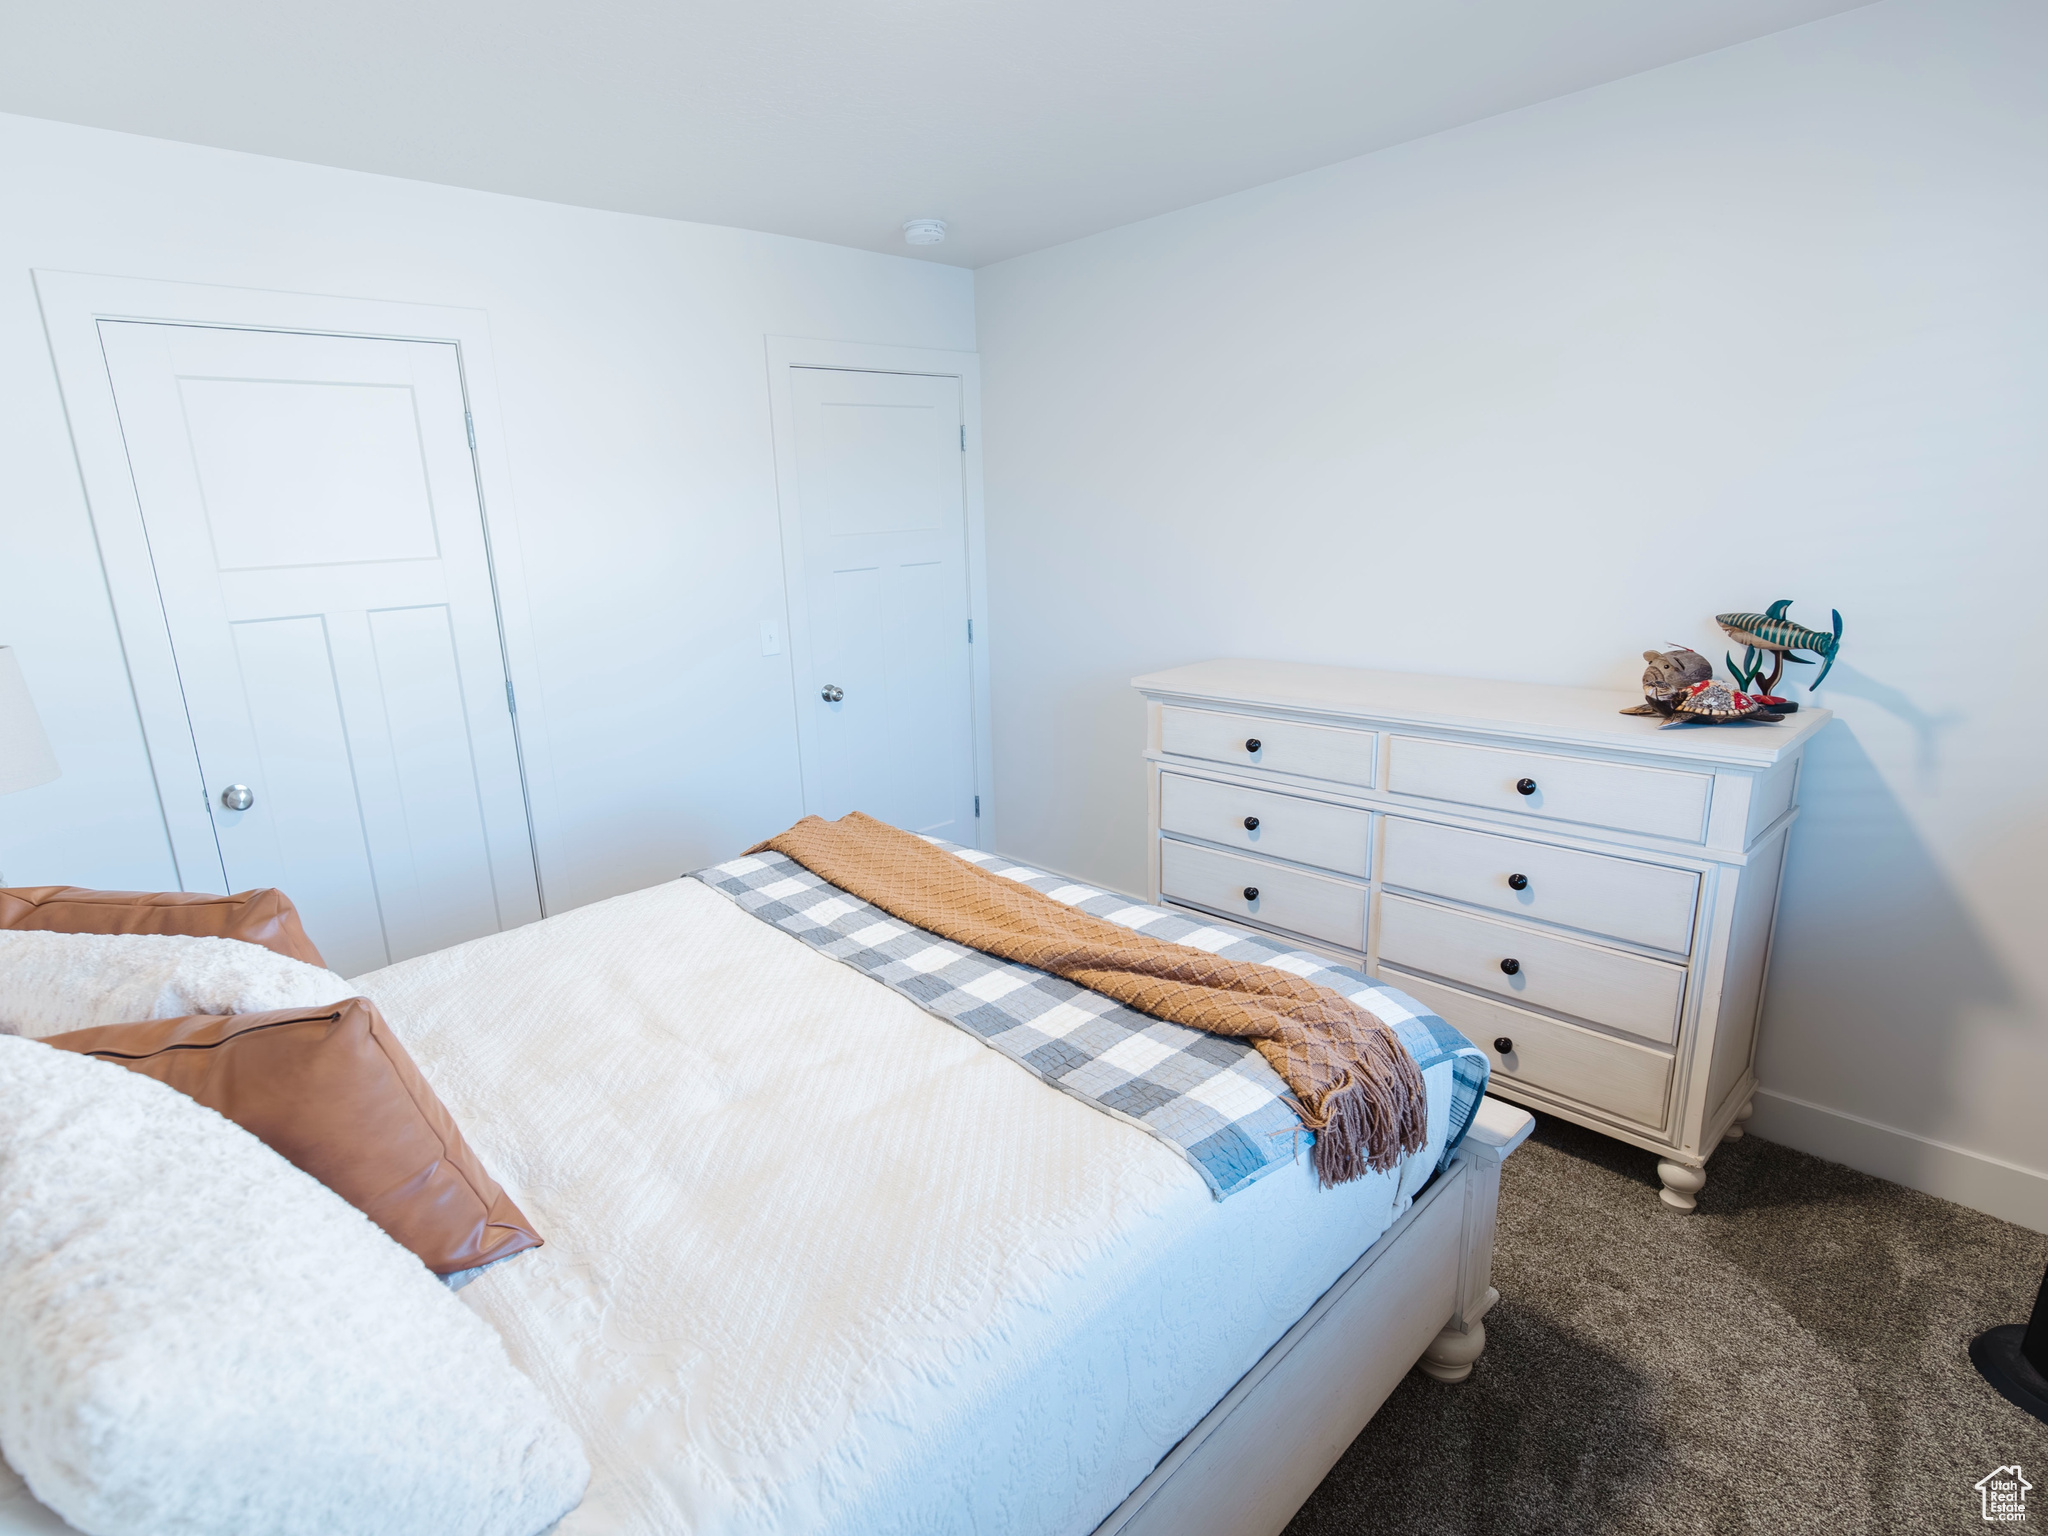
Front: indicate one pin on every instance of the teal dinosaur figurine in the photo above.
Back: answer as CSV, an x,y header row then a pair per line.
x,y
1772,631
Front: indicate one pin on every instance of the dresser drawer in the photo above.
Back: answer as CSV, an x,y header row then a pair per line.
x,y
1285,746
1646,904
1311,905
1661,801
1615,1077
1287,826
1622,991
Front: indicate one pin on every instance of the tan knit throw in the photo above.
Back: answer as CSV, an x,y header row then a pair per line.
x,y
1356,1085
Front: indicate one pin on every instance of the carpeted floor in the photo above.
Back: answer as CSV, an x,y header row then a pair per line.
x,y
1791,1358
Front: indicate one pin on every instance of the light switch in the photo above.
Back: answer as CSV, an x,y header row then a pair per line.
x,y
771,638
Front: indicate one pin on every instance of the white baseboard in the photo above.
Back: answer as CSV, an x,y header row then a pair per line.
x,y
1998,1188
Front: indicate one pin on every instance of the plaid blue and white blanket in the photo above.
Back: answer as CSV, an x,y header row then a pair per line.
x,y
1213,1098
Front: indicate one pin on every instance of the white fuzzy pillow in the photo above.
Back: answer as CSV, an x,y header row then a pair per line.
x,y
196,1337
53,982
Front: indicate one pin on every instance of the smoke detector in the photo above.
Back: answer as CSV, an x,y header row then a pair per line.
x,y
924,231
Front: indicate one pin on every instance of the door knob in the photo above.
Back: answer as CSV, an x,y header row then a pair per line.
x,y
831,693
236,797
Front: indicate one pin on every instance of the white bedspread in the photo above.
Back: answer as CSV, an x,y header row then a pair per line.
x,y
818,1261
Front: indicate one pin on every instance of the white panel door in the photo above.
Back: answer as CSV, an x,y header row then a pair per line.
x,y
883,519
314,523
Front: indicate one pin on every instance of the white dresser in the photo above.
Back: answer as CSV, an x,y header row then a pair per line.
x,y
1587,896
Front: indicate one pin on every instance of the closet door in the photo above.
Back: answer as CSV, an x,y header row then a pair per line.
x,y
882,515
313,519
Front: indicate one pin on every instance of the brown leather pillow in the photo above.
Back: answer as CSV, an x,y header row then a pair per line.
x,y
333,1091
264,917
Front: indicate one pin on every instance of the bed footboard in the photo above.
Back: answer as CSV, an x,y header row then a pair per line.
x,y
1496,1131
1416,1297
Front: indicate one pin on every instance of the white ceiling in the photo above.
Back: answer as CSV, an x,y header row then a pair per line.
x,y
1021,124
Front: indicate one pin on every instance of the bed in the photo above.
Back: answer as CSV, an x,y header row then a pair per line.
x,y
818,1260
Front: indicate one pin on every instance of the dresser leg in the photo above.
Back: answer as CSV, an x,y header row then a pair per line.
x,y
1451,1353
1734,1132
1682,1181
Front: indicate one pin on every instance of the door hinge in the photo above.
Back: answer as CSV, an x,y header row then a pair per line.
x,y
511,699
469,426
970,631
977,807
963,439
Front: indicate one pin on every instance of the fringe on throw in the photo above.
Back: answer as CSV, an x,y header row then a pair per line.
x,y
1372,1121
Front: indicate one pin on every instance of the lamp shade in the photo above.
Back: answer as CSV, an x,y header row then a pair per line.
x,y
25,756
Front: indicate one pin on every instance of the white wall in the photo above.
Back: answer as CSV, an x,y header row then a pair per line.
x,y
633,377
1525,398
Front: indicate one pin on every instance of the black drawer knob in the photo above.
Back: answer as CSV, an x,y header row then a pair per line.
x,y
1504,1045
1512,967
1251,823
1525,786
1251,893
1253,745
1518,882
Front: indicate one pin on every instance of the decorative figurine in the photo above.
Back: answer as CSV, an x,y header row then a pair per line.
x,y
1715,703
1668,677
1771,632
1679,687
